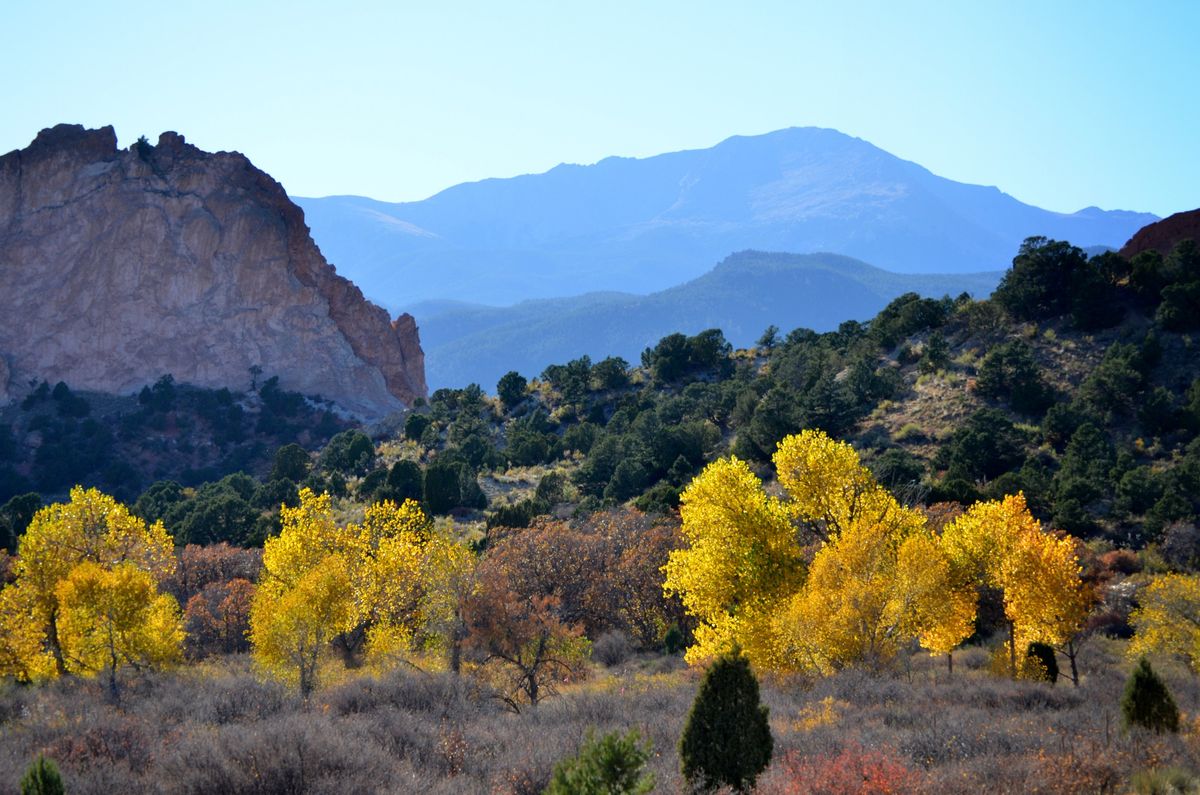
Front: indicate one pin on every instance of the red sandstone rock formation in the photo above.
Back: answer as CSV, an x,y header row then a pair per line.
x,y
120,266
1163,235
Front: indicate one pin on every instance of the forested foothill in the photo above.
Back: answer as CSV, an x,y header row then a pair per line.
x,y
952,549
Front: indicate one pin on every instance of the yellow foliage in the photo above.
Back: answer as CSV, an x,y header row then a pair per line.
x,y
878,578
865,599
398,578
828,487
448,580
112,617
943,606
91,527
23,651
308,534
741,561
90,544
1167,620
291,629
1043,595
1000,545
978,540
825,712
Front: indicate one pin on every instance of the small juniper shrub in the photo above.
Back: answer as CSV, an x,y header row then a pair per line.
x,y
42,778
674,641
1147,703
726,738
610,765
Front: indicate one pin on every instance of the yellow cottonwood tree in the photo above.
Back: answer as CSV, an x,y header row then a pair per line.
x,y
392,563
943,606
290,629
867,596
92,528
877,579
114,617
1167,620
449,579
999,544
742,560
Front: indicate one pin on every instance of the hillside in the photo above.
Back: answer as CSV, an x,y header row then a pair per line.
x,y
1090,407
742,295
165,259
640,225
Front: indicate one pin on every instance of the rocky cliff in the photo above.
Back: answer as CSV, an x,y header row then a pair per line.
x,y
122,265
1163,235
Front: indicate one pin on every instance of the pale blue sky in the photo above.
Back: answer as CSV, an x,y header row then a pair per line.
x,y
1061,104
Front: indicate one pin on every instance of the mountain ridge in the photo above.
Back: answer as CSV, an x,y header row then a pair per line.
x,y
645,224
741,295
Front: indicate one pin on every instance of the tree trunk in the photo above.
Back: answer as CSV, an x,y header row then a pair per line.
x,y
55,647
113,692
950,664
1012,648
457,636
1072,653
531,679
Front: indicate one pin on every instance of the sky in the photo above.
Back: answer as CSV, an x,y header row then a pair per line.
x,y
1060,104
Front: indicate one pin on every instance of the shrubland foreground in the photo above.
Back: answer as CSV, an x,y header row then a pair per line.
x,y
220,728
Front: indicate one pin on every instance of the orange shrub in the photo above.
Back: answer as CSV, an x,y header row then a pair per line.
x,y
854,770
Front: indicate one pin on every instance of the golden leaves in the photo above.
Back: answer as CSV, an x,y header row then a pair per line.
x,y
1167,619
371,586
86,596
878,578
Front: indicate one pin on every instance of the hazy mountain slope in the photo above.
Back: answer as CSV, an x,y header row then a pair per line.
x,y
639,225
742,296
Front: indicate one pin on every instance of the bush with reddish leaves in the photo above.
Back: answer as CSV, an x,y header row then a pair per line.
x,y
854,770
200,566
218,618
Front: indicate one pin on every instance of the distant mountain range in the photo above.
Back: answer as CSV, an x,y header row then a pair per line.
x,y
742,295
640,225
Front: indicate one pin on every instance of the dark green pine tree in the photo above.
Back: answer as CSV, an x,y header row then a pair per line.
x,y
42,778
726,739
1147,702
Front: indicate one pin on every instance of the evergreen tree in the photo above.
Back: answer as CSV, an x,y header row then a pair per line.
x,y
1147,702
442,486
610,765
511,389
726,739
42,778
291,463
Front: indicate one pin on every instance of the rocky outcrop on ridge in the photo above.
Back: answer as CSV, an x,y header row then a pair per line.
x,y
120,266
1163,235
